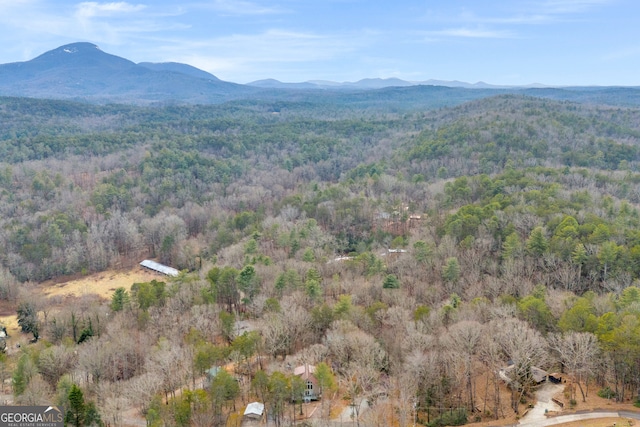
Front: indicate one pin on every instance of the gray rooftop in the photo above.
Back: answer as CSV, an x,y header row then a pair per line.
x,y
160,268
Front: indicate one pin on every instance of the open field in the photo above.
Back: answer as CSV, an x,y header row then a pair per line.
x,y
101,284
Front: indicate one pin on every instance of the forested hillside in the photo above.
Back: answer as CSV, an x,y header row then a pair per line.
x,y
380,244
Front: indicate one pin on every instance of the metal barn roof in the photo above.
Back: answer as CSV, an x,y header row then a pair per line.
x,y
160,268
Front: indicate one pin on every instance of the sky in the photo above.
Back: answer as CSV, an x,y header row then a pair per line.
x,y
509,42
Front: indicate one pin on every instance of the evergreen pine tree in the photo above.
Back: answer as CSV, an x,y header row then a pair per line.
x,y
76,412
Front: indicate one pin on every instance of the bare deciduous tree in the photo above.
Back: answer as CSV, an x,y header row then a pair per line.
x,y
578,352
54,362
286,331
349,345
170,364
362,386
525,348
463,340
141,389
404,388
37,392
491,356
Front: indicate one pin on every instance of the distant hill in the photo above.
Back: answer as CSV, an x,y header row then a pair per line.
x,y
83,71
378,83
275,84
326,84
176,67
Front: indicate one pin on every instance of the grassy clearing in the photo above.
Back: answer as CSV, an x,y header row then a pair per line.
x,y
102,284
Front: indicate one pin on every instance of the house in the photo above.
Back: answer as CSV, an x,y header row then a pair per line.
x,y
306,372
537,375
254,410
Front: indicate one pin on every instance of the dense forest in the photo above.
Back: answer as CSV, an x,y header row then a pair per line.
x,y
379,244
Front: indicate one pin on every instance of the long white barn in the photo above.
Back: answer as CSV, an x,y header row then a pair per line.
x,y
160,268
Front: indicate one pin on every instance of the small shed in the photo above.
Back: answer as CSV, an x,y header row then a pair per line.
x,y
160,268
254,410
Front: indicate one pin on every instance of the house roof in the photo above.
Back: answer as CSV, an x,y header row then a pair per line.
x,y
254,408
304,371
538,374
160,268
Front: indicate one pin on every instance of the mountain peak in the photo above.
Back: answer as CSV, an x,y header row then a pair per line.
x,y
77,47
72,48
81,54
83,70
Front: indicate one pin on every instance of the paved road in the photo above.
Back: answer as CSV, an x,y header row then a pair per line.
x,y
581,416
536,417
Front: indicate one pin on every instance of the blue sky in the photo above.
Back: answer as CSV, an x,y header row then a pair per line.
x,y
556,42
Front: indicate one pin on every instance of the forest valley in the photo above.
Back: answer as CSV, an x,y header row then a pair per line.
x,y
410,255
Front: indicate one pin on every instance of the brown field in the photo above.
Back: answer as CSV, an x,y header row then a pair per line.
x,y
101,284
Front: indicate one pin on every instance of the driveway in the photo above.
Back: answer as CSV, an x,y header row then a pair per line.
x,y
348,414
544,404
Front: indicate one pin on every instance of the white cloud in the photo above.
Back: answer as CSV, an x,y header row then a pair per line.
x,y
31,27
11,3
16,9
519,18
239,56
87,10
532,13
277,45
569,6
241,7
473,33
119,23
509,20
27,25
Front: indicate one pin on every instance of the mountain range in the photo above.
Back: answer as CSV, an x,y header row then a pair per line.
x,y
382,83
83,72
